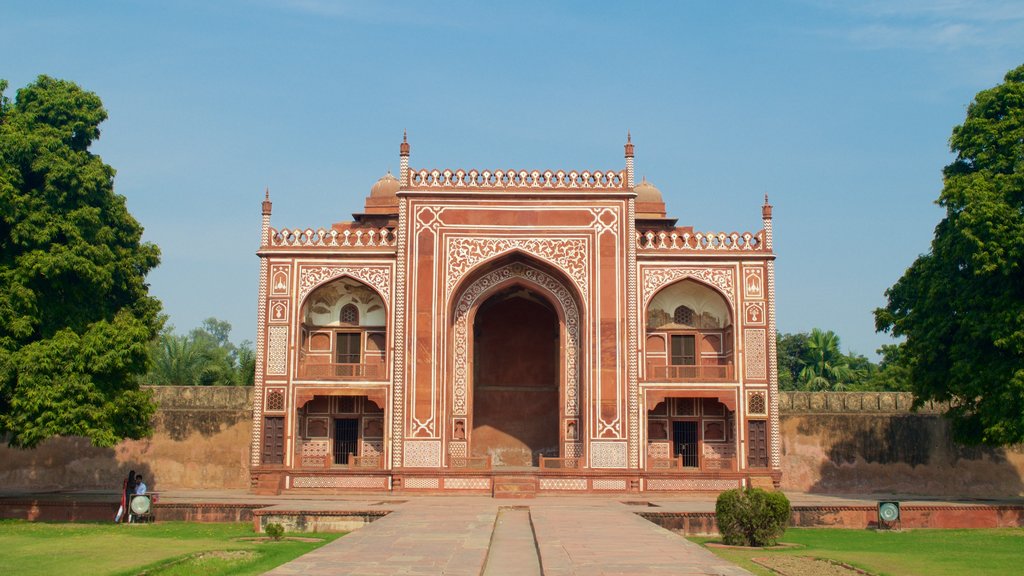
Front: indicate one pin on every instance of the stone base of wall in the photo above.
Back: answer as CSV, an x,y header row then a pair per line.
x,y
857,518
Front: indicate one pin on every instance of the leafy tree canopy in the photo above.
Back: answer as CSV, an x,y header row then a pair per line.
x,y
813,361
203,357
75,312
961,305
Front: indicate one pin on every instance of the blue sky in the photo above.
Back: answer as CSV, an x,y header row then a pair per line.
x,y
840,111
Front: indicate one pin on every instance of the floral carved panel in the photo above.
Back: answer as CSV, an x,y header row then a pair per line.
x,y
567,254
377,277
655,279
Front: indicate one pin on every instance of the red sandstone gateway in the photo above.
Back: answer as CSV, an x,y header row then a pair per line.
x,y
514,332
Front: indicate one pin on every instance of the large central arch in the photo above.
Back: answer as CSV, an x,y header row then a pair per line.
x,y
549,291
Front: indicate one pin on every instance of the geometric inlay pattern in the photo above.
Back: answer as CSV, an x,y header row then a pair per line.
x,y
467,483
607,484
680,484
275,399
757,403
423,483
607,454
340,482
462,331
563,484
573,450
757,353
719,456
277,350
372,448
457,449
658,450
422,454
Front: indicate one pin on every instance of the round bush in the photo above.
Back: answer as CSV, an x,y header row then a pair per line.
x,y
751,516
275,531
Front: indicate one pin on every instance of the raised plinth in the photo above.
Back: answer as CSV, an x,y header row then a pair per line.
x,y
517,486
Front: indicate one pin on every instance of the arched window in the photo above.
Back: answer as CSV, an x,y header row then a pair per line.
x,y
349,315
683,315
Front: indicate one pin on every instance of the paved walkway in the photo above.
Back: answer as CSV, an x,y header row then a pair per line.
x,y
460,536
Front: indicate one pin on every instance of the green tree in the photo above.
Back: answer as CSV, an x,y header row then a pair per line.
x,y
203,357
823,365
961,305
790,349
75,312
891,372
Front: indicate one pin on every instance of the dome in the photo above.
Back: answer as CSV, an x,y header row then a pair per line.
x,y
647,192
387,186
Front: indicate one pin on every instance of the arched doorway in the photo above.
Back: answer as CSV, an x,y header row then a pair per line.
x,y
516,356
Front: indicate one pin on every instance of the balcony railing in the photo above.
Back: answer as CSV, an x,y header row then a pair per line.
x,y
373,462
560,463
701,373
675,463
336,371
470,462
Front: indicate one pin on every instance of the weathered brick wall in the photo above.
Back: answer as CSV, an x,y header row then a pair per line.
x,y
870,442
832,443
200,440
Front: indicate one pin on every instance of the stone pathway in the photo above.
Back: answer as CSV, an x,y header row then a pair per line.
x,y
513,550
460,536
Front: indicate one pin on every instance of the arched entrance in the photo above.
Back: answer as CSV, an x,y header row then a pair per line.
x,y
497,317
515,378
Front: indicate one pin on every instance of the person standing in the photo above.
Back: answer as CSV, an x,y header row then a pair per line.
x,y
127,489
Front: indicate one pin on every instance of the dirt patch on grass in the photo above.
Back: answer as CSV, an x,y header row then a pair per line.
x,y
804,566
779,546
264,539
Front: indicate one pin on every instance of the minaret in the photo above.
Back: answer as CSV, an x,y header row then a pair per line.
x,y
267,204
403,153
261,324
629,161
775,458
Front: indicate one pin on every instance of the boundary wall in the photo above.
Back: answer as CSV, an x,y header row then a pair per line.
x,y
832,442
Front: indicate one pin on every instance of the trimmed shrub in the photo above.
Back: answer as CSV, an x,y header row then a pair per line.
x,y
275,531
751,516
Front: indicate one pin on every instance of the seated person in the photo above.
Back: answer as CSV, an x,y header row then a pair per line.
x,y
140,486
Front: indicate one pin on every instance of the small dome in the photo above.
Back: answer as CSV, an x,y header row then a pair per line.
x,y
387,186
647,192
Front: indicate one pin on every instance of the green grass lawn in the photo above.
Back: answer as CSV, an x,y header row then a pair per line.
x,y
903,553
161,549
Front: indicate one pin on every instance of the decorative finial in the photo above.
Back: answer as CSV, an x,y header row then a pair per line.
x,y
405,135
266,202
403,150
766,209
629,144
629,137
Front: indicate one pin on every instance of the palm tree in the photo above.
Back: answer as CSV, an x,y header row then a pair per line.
x,y
824,367
177,360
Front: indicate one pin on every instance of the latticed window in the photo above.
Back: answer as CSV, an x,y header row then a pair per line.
x,y
757,403
349,315
683,315
275,399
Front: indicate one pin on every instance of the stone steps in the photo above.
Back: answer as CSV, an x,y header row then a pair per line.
x,y
518,486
